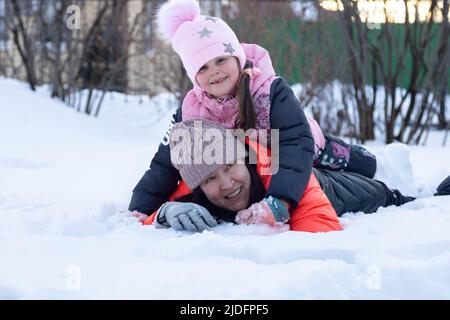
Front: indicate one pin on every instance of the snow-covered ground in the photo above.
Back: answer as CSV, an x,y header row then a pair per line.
x,y
65,184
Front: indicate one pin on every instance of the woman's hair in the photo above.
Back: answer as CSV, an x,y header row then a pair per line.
x,y
257,192
247,117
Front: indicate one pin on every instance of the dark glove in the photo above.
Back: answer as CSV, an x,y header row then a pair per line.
x,y
444,188
186,216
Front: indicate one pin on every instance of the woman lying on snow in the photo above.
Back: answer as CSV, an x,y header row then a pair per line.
x,y
235,85
234,191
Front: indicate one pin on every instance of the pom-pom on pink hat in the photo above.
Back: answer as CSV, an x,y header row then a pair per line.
x,y
197,38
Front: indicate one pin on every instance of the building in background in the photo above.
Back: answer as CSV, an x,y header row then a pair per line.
x,y
122,52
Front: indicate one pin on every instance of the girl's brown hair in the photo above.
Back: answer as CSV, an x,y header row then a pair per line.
x,y
247,117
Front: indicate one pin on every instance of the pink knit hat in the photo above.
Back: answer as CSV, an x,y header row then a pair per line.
x,y
196,38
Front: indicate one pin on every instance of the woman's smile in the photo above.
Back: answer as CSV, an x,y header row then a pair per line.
x,y
236,199
229,187
234,193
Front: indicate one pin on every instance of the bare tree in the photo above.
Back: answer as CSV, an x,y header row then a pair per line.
x,y
427,79
169,73
80,65
23,35
357,43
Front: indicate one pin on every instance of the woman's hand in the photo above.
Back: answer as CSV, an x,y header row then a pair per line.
x,y
185,216
257,213
270,211
140,216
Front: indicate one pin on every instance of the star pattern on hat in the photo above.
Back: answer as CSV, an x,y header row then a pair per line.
x,y
205,33
229,48
211,19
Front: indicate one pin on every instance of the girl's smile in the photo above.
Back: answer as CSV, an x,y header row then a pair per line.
x,y
219,76
218,81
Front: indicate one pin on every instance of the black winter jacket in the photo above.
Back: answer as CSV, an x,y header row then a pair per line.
x,y
352,192
296,150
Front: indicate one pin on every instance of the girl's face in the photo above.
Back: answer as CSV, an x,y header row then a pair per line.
x,y
228,187
219,76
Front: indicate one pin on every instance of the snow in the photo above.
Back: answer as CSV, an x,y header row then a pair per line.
x,y
65,233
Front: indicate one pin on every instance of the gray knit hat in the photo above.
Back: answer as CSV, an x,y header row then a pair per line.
x,y
199,147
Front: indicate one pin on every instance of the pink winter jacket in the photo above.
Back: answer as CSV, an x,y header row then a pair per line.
x,y
225,110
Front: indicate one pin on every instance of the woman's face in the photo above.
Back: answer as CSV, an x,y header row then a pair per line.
x,y
228,187
219,76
